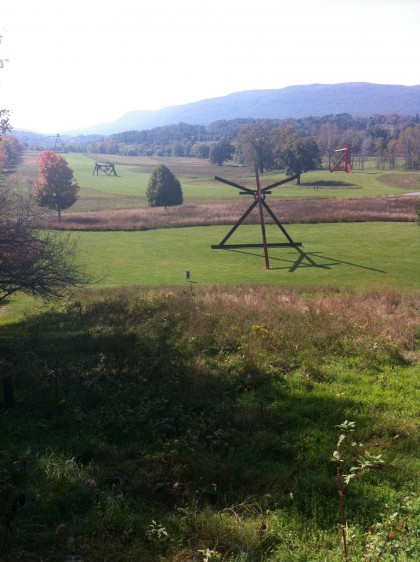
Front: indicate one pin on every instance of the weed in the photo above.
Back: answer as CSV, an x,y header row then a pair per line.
x,y
157,532
210,555
392,524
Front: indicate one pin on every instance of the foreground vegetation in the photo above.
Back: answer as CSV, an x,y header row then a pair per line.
x,y
195,422
174,424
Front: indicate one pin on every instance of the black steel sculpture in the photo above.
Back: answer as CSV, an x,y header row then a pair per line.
x,y
259,195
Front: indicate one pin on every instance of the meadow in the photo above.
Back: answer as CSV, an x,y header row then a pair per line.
x,y
197,179
160,420
357,231
352,256
102,192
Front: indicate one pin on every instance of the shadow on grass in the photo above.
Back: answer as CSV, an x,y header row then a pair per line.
x,y
330,184
153,419
307,259
120,415
3,303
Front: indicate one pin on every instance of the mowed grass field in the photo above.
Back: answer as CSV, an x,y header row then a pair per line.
x,y
128,189
198,183
359,256
344,256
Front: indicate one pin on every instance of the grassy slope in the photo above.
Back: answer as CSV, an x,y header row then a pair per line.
x,y
211,410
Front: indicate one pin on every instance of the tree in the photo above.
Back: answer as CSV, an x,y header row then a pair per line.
x,y
409,144
200,150
32,261
163,188
4,121
221,151
178,149
4,113
328,140
254,146
12,150
56,187
3,160
294,153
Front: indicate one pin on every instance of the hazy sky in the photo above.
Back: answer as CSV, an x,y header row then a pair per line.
x,y
76,63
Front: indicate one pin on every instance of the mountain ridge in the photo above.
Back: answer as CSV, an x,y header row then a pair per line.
x,y
299,101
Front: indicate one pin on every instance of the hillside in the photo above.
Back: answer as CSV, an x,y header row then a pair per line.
x,y
157,425
359,99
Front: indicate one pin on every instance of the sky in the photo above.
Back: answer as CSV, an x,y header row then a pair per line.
x,y
72,64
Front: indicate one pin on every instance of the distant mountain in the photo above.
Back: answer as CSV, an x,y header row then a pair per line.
x,y
356,98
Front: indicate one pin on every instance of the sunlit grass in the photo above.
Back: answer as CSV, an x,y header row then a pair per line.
x,y
134,183
198,183
360,256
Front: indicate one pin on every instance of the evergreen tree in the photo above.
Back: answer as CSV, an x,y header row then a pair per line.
x,y
163,188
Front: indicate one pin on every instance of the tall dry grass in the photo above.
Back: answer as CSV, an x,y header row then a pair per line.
x,y
319,210
285,318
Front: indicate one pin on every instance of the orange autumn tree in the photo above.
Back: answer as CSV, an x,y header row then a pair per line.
x,y
55,187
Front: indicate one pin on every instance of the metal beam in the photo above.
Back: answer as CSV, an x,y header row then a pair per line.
x,y
282,182
268,245
233,184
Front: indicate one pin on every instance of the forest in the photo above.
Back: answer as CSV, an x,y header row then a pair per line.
x,y
383,136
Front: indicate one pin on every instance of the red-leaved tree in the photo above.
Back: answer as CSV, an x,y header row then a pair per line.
x,y
55,187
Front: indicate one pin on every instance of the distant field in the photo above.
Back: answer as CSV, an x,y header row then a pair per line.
x,y
102,192
119,203
355,255
197,179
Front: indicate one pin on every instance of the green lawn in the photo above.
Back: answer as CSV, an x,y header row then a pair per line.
x,y
128,189
132,181
357,255
344,255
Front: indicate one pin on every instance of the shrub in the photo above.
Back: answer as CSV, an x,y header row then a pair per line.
x,y
163,189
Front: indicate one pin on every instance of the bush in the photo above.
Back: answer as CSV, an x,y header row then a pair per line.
x,y
163,189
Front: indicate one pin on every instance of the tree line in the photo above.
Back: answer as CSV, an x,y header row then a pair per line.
x,y
385,137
